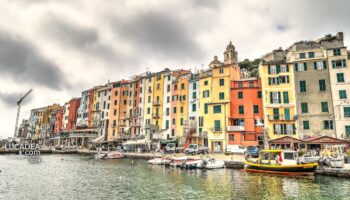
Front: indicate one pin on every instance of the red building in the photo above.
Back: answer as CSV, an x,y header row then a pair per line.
x,y
58,121
136,115
246,112
73,113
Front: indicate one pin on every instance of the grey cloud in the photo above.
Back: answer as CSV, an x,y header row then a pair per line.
x,y
158,34
22,62
10,99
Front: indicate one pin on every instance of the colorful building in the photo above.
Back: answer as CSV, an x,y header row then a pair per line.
x,y
246,113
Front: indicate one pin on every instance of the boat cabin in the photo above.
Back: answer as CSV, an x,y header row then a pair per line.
x,y
278,157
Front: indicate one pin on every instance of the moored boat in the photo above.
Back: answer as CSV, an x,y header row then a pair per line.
x,y
110,155
211,163
280,162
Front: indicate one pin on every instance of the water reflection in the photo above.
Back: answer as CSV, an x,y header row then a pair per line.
x,y
80,177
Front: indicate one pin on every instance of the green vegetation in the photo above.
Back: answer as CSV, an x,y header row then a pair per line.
x,y
251,66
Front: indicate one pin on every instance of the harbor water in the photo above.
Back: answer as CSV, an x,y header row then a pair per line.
x,y
82,177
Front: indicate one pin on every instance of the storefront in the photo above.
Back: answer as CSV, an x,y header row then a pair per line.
x,y
323,141
287,142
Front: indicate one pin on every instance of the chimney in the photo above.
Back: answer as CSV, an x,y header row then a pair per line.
x,y
340,36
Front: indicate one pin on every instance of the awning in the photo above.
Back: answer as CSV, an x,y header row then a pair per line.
x,y
99,139
169,141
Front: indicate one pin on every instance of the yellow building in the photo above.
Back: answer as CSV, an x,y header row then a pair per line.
x,y
157,101
277,82
182,105
148,103
215,94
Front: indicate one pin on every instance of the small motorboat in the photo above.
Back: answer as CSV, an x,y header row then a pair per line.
x,y
192,164
110,155
178,161
280,162
211,163
160,161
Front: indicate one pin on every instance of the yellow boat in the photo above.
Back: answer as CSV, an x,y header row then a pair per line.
x,y
281,162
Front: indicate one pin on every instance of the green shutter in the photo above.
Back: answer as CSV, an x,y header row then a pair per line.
x,y
269,69
286,114
271,100
315,65
296,66
305,67
285,97
325,64
279,97
206,108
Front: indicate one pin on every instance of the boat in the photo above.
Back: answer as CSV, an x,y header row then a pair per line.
x,y
283,162
192,164
110,155
177,161
211,163
160,161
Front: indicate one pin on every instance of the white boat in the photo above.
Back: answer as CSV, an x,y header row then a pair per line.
x,y
211,163
159,161
178,161
109,155
192,164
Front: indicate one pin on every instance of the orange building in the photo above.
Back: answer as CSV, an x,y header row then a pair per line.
x,y
246,111
114,113
58,121
73,113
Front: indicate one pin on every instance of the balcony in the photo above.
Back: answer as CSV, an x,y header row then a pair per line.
x,y
216,129
235,128
156,103
156,116
280,118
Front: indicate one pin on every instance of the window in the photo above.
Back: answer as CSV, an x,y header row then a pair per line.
x,y
272,69
259,94
174,110
346,111
275,97
168,87
256,109
276,114
251,84
169,78
324,106
311,54
194,85
241,110
285,97
205,108
306,125
302,55
221,82
173,132
149,99
217,109
221,70
300,67
240,95
340,77
320,65
115,102
284,129
240,85
322,84
221,95
167,124
167,111
182,86
283,79
336,52
205,93
174,121
194,95
302,85
181,109
231,137
168,99
328,124
205,82
347,131
115,112
148,110
338,63
194,107
342,94
286,114
200,121
304,108
284,68
217,125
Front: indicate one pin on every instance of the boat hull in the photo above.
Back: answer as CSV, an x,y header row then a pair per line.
x,y
293,170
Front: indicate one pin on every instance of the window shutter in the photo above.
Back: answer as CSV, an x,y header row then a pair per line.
x,y
287,67
269,69
279,97
271,100
315,65
305,67
333,64
278,68
325,64
296,66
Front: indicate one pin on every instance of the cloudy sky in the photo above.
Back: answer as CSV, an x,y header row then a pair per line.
x,y
60,48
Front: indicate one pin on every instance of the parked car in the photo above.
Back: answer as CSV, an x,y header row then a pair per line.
x,y
171,148
253,151
235,149
195,149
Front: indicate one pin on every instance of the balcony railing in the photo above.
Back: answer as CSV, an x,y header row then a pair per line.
x,y
235,128
216,129
156,103
280,117
155,115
